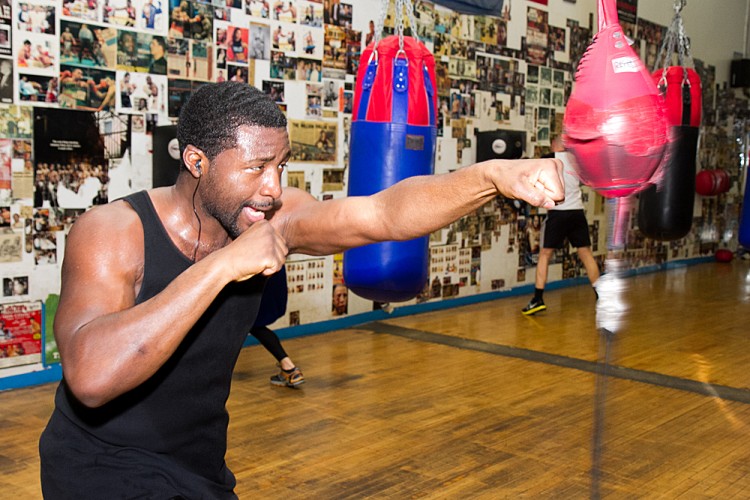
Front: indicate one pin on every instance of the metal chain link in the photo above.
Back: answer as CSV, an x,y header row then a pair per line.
x,y
400,23
412,18
675,36
381,23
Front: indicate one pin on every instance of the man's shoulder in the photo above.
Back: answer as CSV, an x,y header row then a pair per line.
x,y
111,214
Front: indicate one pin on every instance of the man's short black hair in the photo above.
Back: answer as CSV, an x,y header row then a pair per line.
x,y
211,117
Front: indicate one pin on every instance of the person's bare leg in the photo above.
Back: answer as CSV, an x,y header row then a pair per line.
x,y
589,262
542,266
286,363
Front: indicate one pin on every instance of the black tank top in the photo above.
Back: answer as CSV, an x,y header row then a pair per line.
x,y
177,417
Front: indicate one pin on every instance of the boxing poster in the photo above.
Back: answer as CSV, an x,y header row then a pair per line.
x,y
20,333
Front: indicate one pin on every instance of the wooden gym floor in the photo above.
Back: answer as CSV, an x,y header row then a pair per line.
x,y
481,402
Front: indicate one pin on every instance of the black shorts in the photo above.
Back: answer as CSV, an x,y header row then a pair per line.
x,y
561,224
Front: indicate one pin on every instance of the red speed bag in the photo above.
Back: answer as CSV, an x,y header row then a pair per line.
x,y
393,136
681,88
712,182
615,121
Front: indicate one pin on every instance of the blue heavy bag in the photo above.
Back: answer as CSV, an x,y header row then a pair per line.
x,y
393,137
744,235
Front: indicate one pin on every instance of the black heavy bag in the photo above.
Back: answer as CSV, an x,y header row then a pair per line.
x,y
666,211
666,208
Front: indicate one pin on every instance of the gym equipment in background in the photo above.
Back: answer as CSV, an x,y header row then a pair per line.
x,y
393,136
666,209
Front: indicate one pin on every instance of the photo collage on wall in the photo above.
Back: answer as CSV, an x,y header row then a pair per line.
x,y
122,66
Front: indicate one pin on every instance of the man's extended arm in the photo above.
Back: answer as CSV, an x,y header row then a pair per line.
x,y
413,207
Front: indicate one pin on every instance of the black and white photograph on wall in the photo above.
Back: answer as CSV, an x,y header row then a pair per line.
x,y
86,44
259,40
545,96
16,286
6,80
6,15
313,141
5,40
332,92
545,76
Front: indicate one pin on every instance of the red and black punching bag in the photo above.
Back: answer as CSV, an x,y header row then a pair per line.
x,y
615,122
393,136
666,209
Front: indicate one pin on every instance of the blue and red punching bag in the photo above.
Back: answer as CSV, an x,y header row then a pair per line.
x,y
615,123
393,136
666,210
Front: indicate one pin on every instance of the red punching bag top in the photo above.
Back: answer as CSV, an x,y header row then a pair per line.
x,y
615,121
381,100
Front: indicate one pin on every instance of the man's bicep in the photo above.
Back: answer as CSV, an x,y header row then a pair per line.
x,y
317,227
99,274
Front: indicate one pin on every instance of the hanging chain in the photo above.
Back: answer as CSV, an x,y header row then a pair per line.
x,y
412,18
675,36
381,23
400,23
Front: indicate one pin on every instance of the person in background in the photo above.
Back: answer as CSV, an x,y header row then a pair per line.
x,y
566,220
273,307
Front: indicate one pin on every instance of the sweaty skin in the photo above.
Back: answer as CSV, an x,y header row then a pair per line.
x,y
248,226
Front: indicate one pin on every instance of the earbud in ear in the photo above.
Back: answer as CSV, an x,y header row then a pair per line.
x,y
198,167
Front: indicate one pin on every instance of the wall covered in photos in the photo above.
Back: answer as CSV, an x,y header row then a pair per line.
x,y
84,84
